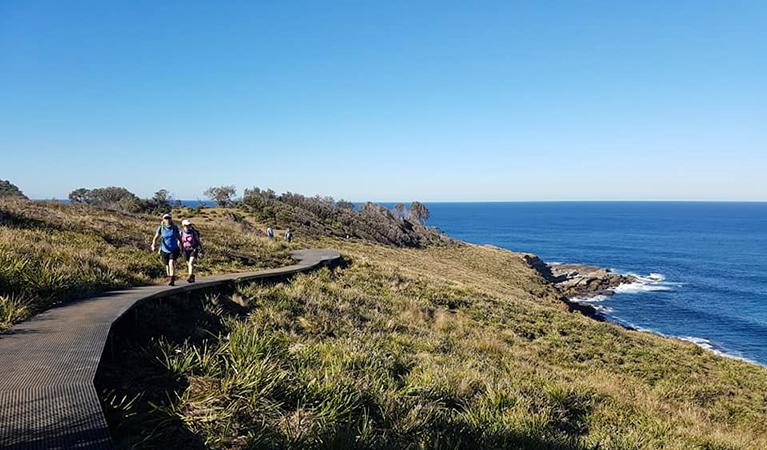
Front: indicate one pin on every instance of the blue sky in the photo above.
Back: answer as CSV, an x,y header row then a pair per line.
x,y
395,100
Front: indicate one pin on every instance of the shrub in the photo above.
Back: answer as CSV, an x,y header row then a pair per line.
x,y
344,204
319,216
111,197
8,189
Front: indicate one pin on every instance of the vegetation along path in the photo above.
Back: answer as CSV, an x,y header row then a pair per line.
x,y
48,363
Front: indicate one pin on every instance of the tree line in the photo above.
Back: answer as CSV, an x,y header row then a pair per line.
x,y
402,225
119,198
226,196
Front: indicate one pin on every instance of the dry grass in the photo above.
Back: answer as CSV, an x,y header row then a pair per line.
x,y
51,253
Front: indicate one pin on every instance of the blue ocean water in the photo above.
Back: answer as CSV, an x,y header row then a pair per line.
x,y
703,266
193,203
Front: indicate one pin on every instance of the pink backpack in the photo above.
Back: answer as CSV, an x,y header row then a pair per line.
x,y
190,240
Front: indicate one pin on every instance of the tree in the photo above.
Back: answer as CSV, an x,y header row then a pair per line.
x,y
222,195
399,210
418,213
8,189
344,204
81,195
162,202
162,197
101,196
268,194
112,197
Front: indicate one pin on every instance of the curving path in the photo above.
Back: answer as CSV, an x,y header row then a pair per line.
x,y
48,363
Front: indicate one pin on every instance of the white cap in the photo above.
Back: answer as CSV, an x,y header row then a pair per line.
x,y
166,216
185,222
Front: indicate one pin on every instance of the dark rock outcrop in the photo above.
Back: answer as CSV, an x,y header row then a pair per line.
x,y
579,280
584,280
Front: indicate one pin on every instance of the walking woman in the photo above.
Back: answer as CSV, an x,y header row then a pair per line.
x,y
190,241
170,248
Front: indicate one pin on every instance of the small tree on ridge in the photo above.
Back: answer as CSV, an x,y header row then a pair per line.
x,y
222,195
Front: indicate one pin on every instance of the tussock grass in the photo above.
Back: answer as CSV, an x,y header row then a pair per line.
x,y
393,351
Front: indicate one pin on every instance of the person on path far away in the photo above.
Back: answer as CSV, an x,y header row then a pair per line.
x,y
170,246
270,233
191,245
288,235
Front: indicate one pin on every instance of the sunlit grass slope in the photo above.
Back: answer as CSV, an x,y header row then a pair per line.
x,y
51,252
457,346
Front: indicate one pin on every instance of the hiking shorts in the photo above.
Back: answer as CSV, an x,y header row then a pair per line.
x,y
168,257
193,253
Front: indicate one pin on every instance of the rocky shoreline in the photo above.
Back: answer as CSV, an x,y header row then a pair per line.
x,y
579,281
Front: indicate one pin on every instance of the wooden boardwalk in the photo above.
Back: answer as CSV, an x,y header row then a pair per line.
x,y
48,363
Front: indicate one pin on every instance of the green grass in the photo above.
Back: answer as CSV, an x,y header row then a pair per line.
x,y
374,356
445,347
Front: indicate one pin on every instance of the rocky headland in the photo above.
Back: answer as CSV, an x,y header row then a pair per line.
x,y
582,280
579,281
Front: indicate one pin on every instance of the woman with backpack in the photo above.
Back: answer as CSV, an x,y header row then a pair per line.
x,y
190,241
170,245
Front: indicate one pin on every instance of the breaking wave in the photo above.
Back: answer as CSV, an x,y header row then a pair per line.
x,y
646,283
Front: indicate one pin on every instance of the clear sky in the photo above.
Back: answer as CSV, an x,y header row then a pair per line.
x,y
388,100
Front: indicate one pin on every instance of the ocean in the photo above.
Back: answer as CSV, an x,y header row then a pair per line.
x,y
702,266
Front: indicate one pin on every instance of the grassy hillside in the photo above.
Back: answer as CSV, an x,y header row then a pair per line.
x,y
446,345
52,252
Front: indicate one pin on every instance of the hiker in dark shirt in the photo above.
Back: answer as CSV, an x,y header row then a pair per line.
x,y
170,246
288,235
192,246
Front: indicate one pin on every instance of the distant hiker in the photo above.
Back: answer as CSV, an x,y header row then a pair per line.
x,y
170,248
192,246
270,233
288,235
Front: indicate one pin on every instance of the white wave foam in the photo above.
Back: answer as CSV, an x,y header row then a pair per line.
x,y
710,346
590,299
600,309
700,342
646,283
638,287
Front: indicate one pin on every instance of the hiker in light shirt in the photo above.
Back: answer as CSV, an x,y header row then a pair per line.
x,y
191,245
